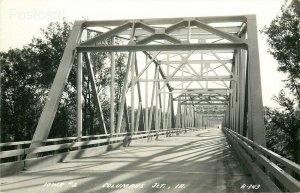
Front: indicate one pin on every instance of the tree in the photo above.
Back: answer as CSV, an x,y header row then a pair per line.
x,y
20,99
282,126
27,75
284,40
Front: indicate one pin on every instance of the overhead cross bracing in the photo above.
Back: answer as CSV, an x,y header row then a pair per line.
x,y
194,77
185,72
178,70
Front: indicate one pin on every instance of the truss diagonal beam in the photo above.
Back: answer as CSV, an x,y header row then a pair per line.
x,y
123,95
145,68
45,122
215,31
144,26
221,61
94,89
107,34
164,76
176,26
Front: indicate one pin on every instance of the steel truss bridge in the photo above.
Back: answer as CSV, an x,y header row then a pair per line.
x,y
185,78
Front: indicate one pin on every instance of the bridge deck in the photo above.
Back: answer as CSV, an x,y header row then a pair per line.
x,y
194,162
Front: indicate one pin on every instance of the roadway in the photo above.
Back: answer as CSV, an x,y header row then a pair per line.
x,y
194,162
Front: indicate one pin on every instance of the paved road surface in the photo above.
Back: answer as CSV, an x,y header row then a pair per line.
x,y
194,162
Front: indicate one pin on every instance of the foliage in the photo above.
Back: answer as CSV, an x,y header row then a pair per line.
x,y
284,40
27,75
282,126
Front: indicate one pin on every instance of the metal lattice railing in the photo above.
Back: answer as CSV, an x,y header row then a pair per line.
x,y
275,172
17,151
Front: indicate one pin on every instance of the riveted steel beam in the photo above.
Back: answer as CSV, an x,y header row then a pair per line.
x,y
161,47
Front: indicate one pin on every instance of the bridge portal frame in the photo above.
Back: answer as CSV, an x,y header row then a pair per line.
x,y
152,37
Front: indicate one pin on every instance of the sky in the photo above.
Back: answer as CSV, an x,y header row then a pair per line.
x,y
21,20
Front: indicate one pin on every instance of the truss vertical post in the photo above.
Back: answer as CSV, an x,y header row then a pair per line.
x,y
235,92
227,116
157,113
182,116
137,121
140,107
230,112
194,117
186,116
112,90
177,115
156,101
140,115
159,119
172,111
127,128
132,93
159,98
164,108
146,98
241,91
255,107
152,99
168,114
190,115
79,95
200,120
180,121
245,126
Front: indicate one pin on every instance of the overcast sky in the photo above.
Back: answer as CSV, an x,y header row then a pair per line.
x,y
20,20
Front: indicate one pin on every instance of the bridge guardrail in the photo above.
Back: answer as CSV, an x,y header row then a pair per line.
x,y
17,151
274,171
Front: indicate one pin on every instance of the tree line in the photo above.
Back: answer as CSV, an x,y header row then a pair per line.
x,y
27,75
283,124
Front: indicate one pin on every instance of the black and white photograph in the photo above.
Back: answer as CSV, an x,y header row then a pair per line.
x,y
149,96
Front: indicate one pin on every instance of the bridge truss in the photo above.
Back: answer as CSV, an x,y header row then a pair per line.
x,y
180,72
